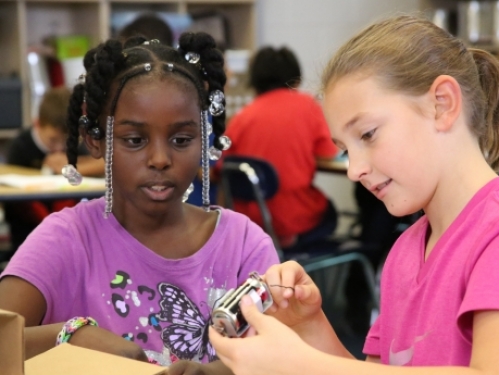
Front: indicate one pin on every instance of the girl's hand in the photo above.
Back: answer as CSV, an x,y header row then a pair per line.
x,y
194,368
269,347
297,299
100,339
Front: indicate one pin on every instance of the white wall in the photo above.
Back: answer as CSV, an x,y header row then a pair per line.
x,y
314,29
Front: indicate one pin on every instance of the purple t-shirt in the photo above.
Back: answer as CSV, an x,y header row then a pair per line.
x,y
427,306
85,265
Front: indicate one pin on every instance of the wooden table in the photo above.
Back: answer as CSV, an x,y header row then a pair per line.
x,y
9,193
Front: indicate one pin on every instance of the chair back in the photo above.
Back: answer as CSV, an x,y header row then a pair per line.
x,y
238,177
251,179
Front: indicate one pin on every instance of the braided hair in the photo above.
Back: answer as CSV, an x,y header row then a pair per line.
x,y
116,62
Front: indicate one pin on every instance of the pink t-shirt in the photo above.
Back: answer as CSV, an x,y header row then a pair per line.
x,y
427,307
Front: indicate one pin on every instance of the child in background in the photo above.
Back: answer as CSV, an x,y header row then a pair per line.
x,y
143,264
150,26
286,128
414,108
43,147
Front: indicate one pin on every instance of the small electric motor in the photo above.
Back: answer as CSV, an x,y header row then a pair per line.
x,y
227,317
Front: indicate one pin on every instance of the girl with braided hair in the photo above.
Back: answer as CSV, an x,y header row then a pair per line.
x,y
147,267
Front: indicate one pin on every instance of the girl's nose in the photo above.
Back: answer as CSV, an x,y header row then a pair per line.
x,y
358,166
159,155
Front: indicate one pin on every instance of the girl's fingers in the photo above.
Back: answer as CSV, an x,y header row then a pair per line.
x,y
250,332
291,273
273,279
220,343
252,315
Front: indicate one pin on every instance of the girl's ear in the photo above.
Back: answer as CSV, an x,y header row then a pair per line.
x,y
94,146
446,94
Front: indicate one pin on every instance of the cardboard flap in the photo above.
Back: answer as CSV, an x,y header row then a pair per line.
x,y
67,359
11,343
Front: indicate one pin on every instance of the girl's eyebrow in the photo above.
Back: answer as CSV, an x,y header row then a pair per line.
x,y
355,119
130,122
358,117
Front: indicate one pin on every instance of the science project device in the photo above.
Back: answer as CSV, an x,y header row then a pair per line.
x,y
227,317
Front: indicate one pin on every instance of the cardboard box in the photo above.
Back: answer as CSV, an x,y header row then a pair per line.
x,y
11,343
64,359
67,359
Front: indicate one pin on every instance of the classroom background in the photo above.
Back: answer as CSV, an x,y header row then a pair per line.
x,y
312,29
41,43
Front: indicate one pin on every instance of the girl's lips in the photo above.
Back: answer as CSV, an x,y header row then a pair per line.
x,y
380,190
158,193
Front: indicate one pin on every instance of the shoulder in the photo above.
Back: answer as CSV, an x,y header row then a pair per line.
x,y
24,136
488,196
63,235
246,240
24,151
481,214
239,225
298,96
22,140
477,224
79,216
62,230
232,219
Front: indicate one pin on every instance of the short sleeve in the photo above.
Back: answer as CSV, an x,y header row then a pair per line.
x,y
372,344
482,292
47,260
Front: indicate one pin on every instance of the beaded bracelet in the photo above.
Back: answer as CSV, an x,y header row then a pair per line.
x,y
71,326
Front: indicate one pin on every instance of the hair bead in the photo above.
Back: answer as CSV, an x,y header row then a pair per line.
x,y
192,57
71,174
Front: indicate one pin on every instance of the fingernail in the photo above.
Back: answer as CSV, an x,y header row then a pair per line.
x,y
246,300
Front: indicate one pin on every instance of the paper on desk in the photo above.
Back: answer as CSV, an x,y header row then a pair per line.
x,y
54,182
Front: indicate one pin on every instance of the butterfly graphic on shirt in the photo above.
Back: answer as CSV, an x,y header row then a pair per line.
x,y
187,335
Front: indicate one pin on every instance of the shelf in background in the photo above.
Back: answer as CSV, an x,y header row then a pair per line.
x,y
9,133
25,23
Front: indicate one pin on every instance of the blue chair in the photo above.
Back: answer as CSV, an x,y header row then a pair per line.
x,y
251,180
255,180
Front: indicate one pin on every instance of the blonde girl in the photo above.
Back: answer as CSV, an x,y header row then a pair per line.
x,y
416,110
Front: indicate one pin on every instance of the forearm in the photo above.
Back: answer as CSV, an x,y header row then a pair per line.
x,y
319,334
39,339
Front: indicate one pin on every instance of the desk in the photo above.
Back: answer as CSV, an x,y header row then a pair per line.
x,y
10,194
